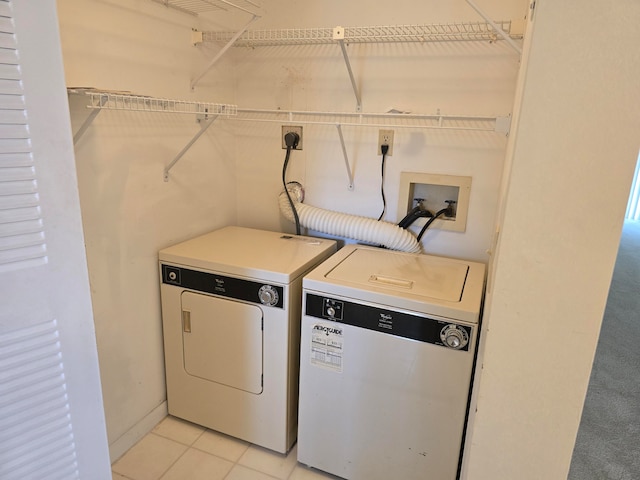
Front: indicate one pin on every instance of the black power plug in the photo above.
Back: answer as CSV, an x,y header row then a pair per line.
x,y
291,140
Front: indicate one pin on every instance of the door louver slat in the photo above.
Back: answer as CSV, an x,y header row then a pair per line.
x,y
19,201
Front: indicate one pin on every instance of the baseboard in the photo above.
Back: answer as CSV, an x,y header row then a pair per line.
x,y
135,433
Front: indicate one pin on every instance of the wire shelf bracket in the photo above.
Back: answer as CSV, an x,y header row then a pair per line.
x,y
205,124
346,157
496,27
92,116
205,113
338,35
224,49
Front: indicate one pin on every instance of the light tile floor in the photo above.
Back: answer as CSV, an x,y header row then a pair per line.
x,y
179,450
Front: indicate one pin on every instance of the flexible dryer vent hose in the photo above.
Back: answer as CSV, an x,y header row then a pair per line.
x,y
350,226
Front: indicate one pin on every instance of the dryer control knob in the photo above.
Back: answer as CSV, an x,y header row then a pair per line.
x,y
454,336
268,295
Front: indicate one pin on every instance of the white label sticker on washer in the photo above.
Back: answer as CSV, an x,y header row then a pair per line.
x,y
326,347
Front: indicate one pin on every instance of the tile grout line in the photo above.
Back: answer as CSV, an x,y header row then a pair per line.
x,y
253,470
189,446
234,463
176,460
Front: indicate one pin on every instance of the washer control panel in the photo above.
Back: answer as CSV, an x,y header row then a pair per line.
x,y
230,287
437,331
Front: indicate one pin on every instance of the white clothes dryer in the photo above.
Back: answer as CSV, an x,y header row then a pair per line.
x,y
387,351
231,307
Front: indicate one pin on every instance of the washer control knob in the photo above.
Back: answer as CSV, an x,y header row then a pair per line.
x,y
268,295
331,311
454,336
453,341
173,276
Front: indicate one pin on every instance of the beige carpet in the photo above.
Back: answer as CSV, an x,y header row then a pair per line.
x,y
608,443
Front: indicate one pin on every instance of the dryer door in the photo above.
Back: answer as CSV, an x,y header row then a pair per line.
x,y
222,341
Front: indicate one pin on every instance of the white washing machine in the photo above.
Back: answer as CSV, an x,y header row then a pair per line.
x,y
231,307
387,351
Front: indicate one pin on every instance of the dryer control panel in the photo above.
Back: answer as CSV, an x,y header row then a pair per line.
x,y
401,324
230,287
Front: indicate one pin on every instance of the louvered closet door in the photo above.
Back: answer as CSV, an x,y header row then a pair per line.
x,y
51,416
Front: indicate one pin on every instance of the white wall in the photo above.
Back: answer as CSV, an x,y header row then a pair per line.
x,y
233,173
475,78
572,158
129,212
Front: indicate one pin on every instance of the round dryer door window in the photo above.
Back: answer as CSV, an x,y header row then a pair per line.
x,y
222,341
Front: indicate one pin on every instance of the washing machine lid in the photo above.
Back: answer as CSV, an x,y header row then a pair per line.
x,y
418,275
251,253
429,284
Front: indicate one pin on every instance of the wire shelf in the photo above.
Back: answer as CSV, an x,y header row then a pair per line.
x,y
195,7
464,31
105,100
499,124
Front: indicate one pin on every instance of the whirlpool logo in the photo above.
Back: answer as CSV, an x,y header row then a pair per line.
x,y
385,321
328,330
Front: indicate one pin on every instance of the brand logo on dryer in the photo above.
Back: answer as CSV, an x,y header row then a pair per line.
x,y
218,285
385,321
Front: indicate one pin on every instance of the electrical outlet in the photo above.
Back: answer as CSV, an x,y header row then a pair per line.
x,y
385,137
291,128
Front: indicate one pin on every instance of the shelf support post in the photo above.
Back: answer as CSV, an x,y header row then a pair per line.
x,y
495,26
203,128
338,35
94,113
215,59
346,157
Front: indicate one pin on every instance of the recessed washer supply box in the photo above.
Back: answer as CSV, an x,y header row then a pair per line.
x,y
435,190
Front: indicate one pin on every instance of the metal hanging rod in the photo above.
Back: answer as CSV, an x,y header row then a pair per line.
x,y
498,124
462,31
195,7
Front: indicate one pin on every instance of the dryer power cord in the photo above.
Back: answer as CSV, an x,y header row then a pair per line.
x,y
291,140
384,149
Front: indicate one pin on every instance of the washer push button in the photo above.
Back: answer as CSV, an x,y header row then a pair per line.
x,y
332,309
